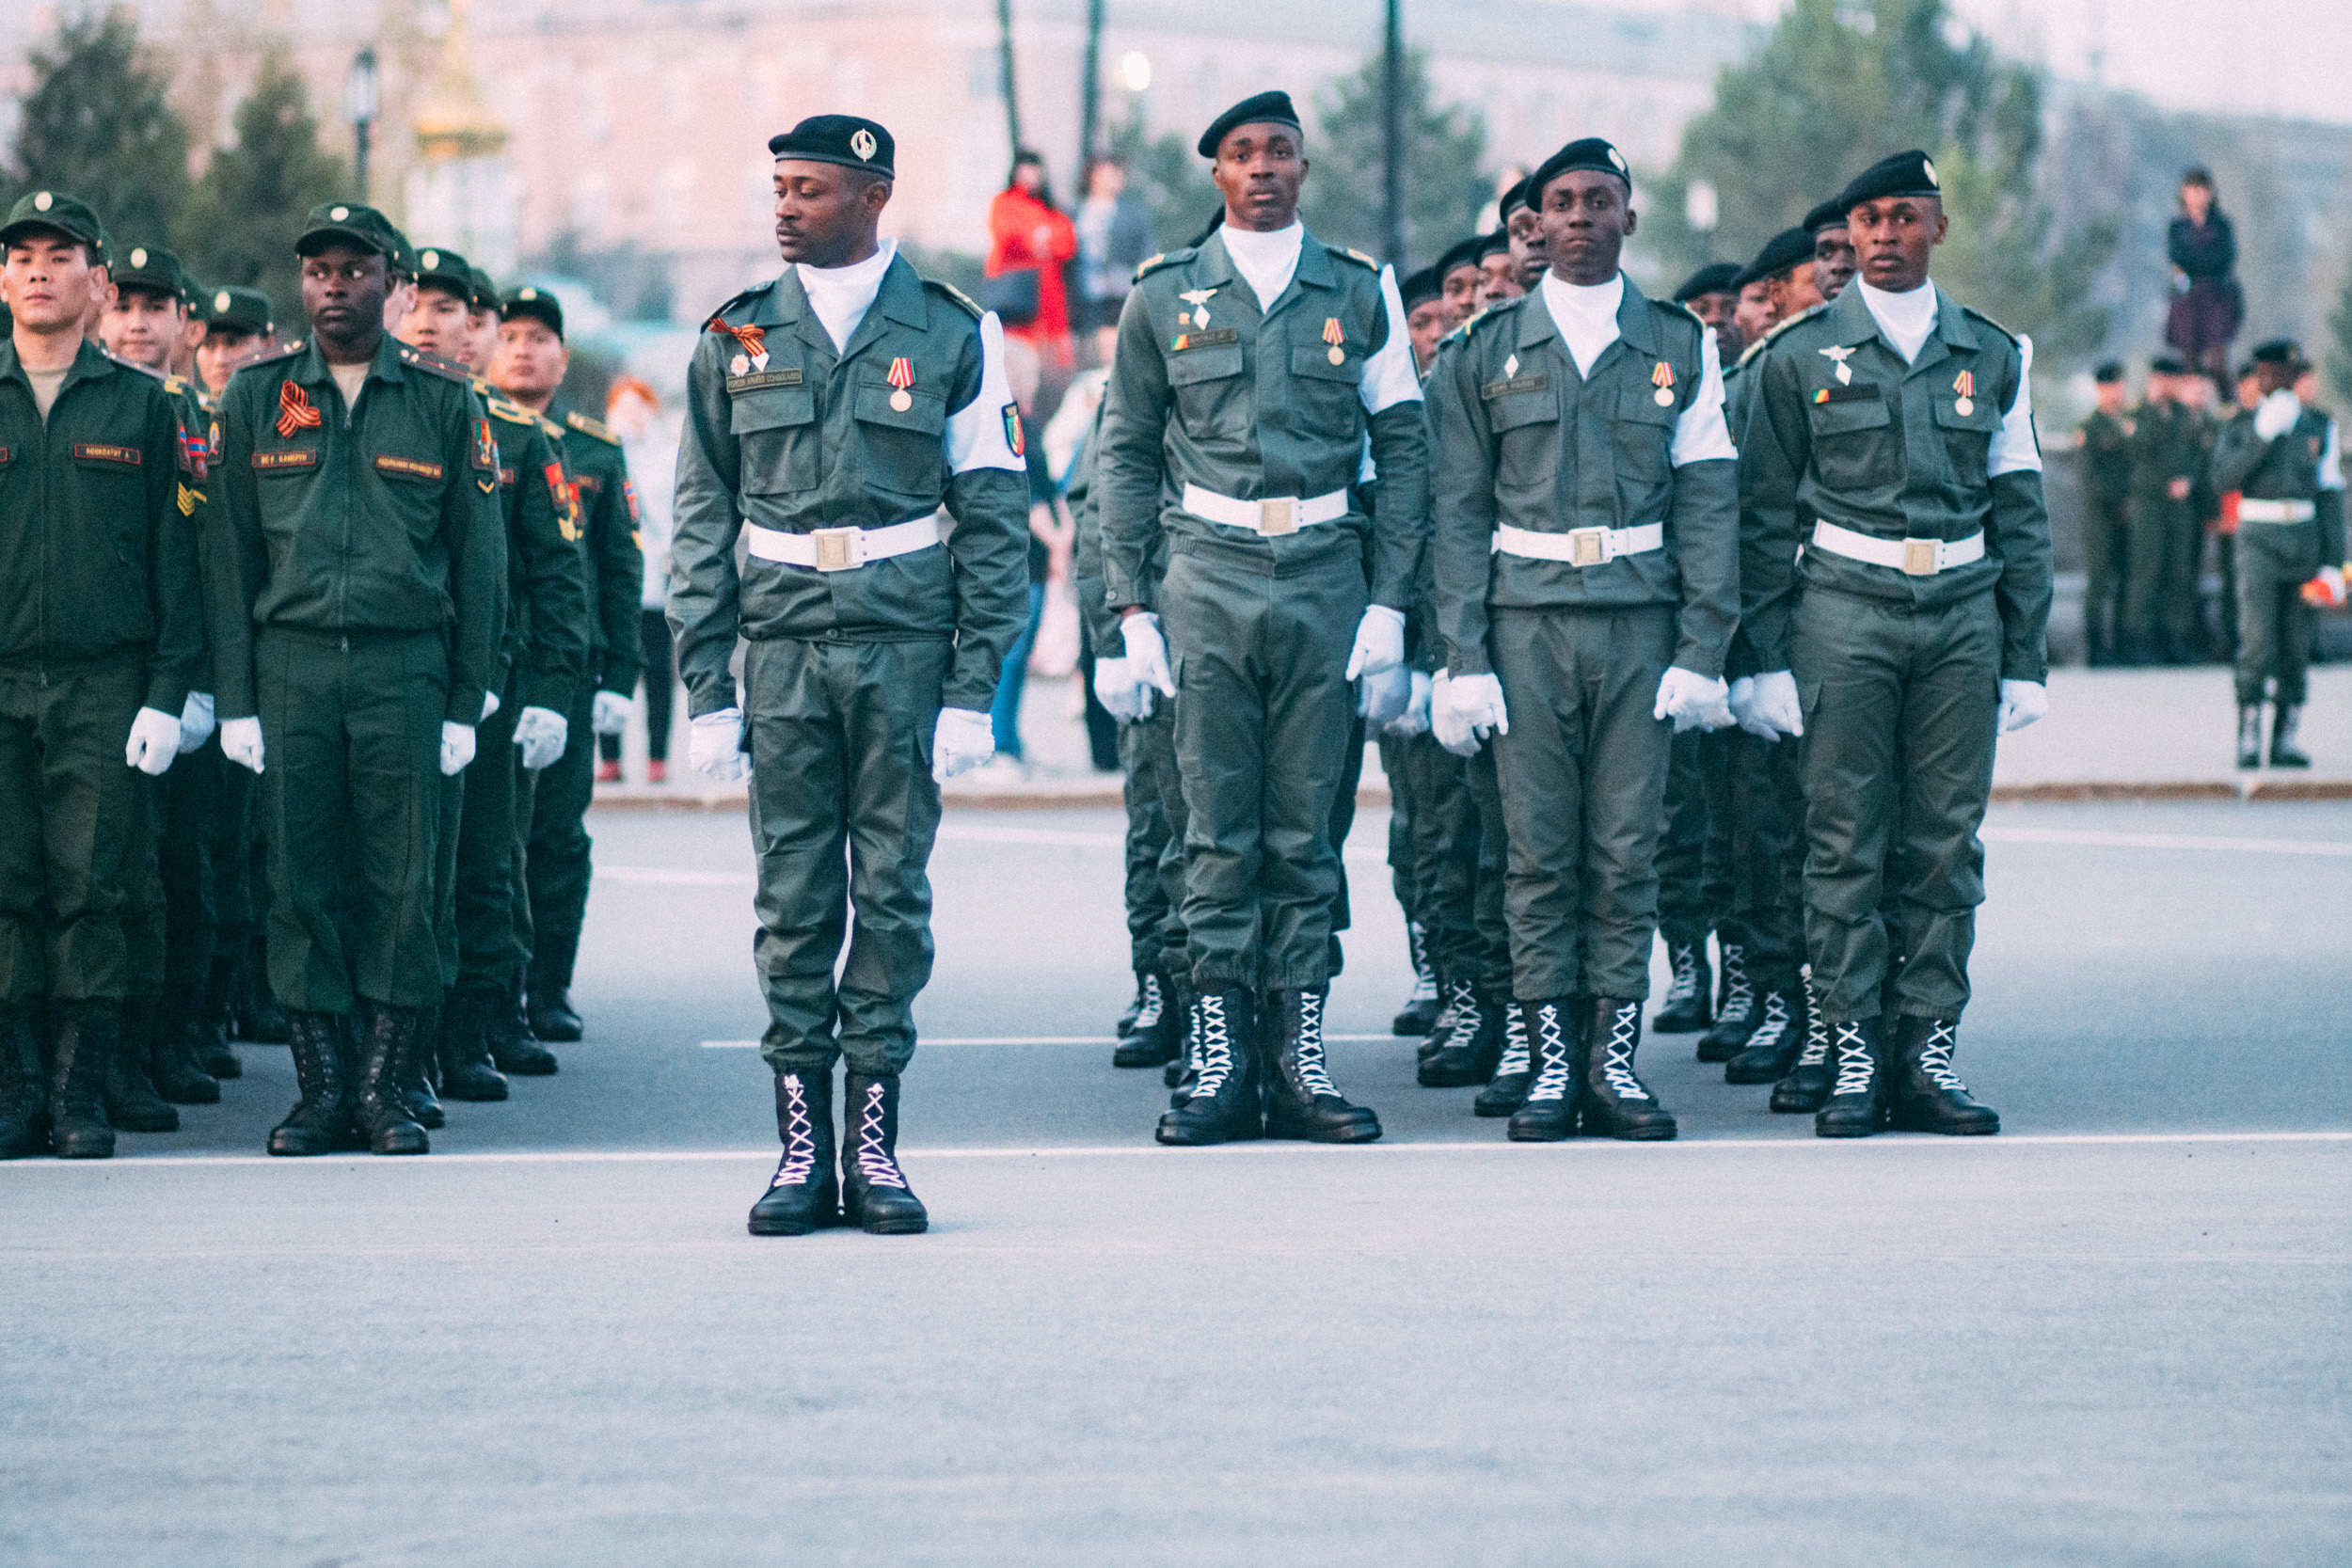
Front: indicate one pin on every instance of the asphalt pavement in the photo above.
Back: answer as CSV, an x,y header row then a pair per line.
x,y
2114,1334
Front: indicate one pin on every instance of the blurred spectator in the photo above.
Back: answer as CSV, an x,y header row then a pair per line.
x,y
1114,237
2207,305
2104,440
635,415
1029,244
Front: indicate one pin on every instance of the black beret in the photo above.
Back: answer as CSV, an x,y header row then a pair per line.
x,y
2279,350
843,139
1460,253
1419,289
1716,277
1498,243
1781,252
1517,196
156,270
1829,215
1265,108
235,309
1592,153
2108,373
1911,173
447,271
535,304
2166,364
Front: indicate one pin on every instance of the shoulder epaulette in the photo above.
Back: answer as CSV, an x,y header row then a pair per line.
x,y
513,413
173,385
134,365
1780,327
436,364
587,426
283,351
1355,256
718,318
1165,259
549,428
1675,306
1972,310
956,296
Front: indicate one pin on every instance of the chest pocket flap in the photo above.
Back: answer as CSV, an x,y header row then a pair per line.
x,y
1981,416
1314,362
1842,417
1640,406
771,408
1211,363
925,413
1526,399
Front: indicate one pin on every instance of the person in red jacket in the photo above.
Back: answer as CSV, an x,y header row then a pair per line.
x,y
1026,232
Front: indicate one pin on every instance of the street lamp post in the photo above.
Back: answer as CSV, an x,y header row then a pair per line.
x,y
360,97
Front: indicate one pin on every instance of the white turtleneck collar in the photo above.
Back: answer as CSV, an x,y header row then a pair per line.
x,y
1586,315
1905,320
1266,260
842,296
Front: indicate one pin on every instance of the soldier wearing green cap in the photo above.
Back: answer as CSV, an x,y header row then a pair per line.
x,y
528,367
238,327
360,481
98,649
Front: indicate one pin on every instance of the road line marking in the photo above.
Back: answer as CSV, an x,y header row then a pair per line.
x,y
664,876
1087,1151
1035,1040
2096,838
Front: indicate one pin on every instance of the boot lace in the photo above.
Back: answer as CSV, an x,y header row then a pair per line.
x,y
799,1135
1213,1045
874,1163
1466,1018
1624,1027
1935,1058
1313,1075
1552,1048
1775,1023
1424,982
1147,1015
1686,982
1739,995
1515,1052
1815,1029
1857,1065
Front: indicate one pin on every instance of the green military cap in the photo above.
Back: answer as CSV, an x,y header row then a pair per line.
x,y
57,212
445,269
234,309
347,223
536,303
148,267
486,291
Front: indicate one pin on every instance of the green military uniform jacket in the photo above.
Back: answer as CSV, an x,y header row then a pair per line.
x,y
2286,469
548,626
382,518
2107,448
612,550
803,437
98,553
2169,441
1264,403
1525,441
1889,452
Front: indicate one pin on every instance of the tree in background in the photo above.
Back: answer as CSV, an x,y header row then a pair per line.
x,y
1445,185
1841,83
95,123
1173,178
2339,355
247,211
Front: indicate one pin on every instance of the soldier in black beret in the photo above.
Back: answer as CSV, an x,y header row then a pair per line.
x,y
1424,316
1459,279
1498,271
1518,220
1833,248
1712,294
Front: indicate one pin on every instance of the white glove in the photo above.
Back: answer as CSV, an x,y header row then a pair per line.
x,y
609,713
195,721
1465,709
489,704
714,744
1415,719
961,740
1384,694
541,733
1116,689
1693,701
1771,709
1147,652
2276,414
2022,703
241,742
1379,642
154,741
456,748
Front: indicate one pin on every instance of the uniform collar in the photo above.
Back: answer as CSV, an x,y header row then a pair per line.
x,y
1850,320
1635,327
89,363
312,369
1214,267
785,302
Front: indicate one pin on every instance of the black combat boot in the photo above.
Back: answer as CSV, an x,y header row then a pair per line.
x,y
512,1048
552,1015
805,1195
1616,1103
1924,1094
1158,1037
211,1037
1135,1005
1180,1074
2249,736
132,1103
1226,1102
1773,1046
387,1035
77,1080
1691,998
1421,1008
1735,1018
1301,1102
1457,996
1471,1051
1856,1106
1557,1094
874,1192
2284,720
258,1017
1805,1090
173,1063
416,1089
320,1123
1507,1090
24,1100
466,1071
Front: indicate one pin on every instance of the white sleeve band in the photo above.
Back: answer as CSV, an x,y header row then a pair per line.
x,y
976,434
2331,461
2014,448
1701,434
1389,375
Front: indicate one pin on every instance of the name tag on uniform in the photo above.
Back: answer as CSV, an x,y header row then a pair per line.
x,y
408,468
1860,391
1494,389
758,379
1218,338
506,476
280,462
589,484
100,451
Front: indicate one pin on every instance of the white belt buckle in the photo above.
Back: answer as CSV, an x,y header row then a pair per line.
x,y
839,550
1919,557
1588,546
1278,514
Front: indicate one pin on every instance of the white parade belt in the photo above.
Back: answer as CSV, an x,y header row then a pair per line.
x,y
842,550
2275,512
1272,515
1581,547
1918,558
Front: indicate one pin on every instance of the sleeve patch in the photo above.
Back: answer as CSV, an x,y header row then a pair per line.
x,y
629,488
566,500
1012,430
485,445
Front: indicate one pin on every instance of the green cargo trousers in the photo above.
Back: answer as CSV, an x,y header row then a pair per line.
x,y
1584,782
558,864
2274,562
145,910
843,814
2108,541
1149,908
1265,714
1761,855
351,798
1403,804
1690,902
66,804
1458,850
1900,706
1156,738
493,835
2160,606
195,857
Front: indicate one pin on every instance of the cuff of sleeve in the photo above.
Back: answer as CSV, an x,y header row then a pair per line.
x,y
464,707
542,689
1691,657
1470,663
979,699
2021,669
716,698
169,694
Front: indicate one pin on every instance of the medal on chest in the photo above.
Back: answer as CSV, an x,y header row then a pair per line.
x,y
1965,385
901,376
754,343
1334,335
1664,379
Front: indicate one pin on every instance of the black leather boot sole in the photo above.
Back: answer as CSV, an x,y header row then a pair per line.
x,y
1361,1126
1762,1063
795,1211
1911,1116
1547,1122
1503,1095
1805,1091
